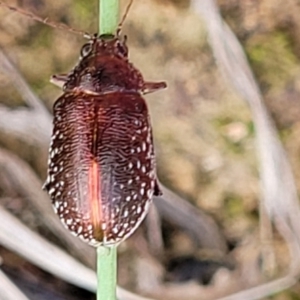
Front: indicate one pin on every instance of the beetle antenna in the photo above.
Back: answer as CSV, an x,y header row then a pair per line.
x,y
45,20
124,16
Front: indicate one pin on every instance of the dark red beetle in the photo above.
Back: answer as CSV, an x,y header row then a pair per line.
x,y
101,169
101,172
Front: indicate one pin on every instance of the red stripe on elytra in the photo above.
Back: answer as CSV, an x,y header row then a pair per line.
x,y
94,195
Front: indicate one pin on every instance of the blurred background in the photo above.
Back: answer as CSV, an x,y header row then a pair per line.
x,y
214,236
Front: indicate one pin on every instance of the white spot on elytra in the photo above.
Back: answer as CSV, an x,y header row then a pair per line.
x,y
150,193
52,190
149,138
152,184
69,221
142,191
128,198
79,229
121,233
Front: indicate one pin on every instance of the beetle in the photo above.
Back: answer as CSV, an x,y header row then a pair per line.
x,y
101,170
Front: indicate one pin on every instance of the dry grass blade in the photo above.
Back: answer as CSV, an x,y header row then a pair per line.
x,y
15,236
29,187
125,295
200,226
279,194
154,232
8,291
264,289
21,124
29,97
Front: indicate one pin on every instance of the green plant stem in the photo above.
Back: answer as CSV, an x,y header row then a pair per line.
x,y
106,273
108,16
107,256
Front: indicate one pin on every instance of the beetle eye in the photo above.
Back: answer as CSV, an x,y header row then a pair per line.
x,y
122,49
85,50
